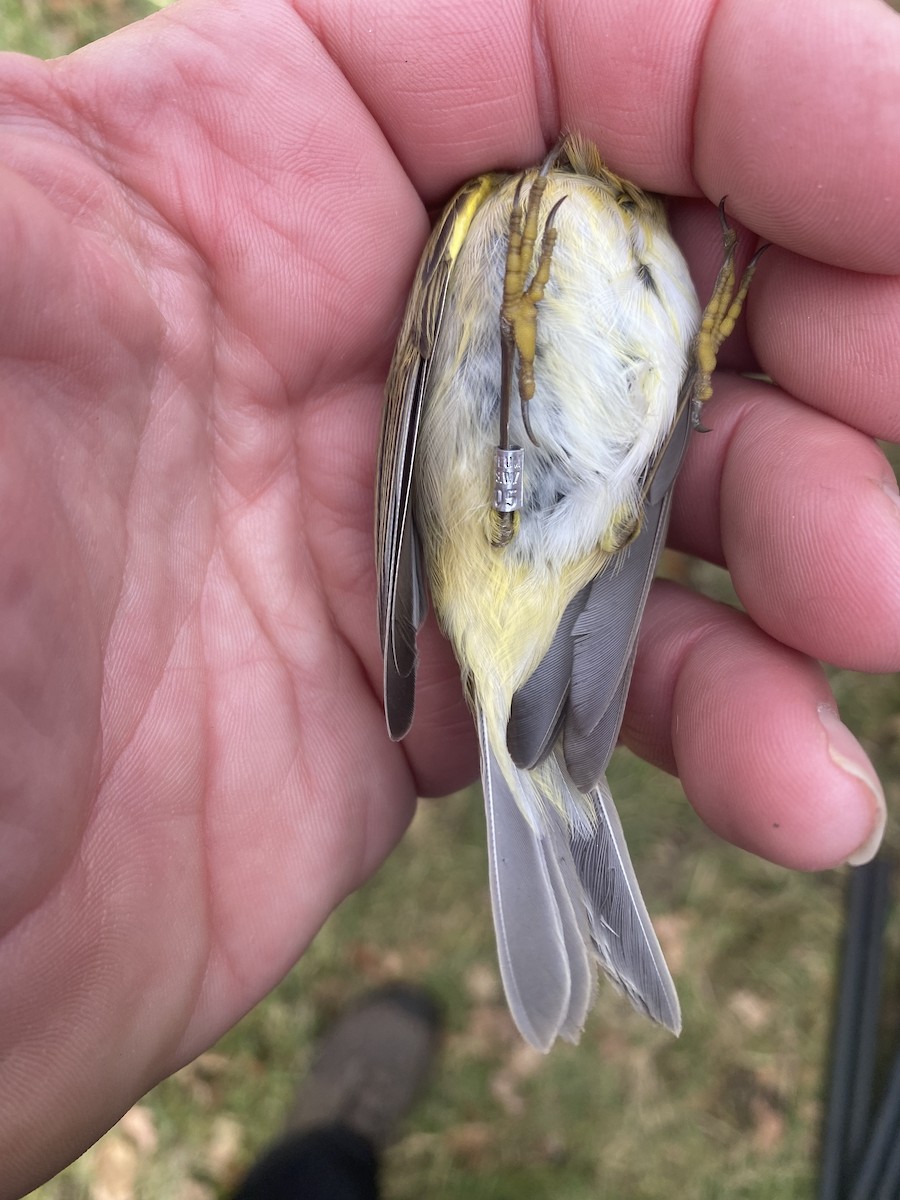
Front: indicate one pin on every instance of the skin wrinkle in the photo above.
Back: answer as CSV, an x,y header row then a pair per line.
x,y
335,626
721,464
544,73
713,11
310,576
56,879
194,995
129,509
80,127
233,561
83,123
221,956
306,759
819,353
104,636
150,692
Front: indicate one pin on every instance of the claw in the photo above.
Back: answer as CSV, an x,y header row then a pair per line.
x,y
517,195
523,405
552,156
548,224
721,313
696,419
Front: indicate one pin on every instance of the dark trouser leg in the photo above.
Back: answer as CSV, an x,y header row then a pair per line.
x,y
329,1163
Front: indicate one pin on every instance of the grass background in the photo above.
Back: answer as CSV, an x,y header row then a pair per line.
x,y
731,1110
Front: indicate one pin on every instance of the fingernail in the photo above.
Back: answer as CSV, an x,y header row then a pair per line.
x,y
845,752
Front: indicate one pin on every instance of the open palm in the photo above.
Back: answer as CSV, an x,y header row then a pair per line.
x,y
210,222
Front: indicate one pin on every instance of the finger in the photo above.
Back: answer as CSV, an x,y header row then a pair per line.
x,y
829,337
458,94
804,513
798,104
751,729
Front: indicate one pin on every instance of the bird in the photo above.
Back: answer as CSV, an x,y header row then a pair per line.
x,y
551,367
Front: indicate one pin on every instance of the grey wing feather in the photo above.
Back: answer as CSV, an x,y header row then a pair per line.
x,y
668,462
538,707
590,753
605,643
589,749
607,628
402,597
402,594
623,936
580,686
539,917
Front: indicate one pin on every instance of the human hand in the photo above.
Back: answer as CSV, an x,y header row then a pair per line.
x,y
211,221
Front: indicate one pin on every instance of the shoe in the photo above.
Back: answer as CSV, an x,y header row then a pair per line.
x,y
371,1064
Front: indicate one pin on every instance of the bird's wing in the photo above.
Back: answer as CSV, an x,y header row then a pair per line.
x,y
578,689
402,598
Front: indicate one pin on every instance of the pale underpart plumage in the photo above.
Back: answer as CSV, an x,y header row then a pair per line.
x,y
544,628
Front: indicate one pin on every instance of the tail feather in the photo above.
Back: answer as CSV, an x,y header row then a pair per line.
x,y
577,935
624,939
539,921
563,896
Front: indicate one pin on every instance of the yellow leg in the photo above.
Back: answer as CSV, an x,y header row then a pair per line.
x,y
518,314
722,311
522,238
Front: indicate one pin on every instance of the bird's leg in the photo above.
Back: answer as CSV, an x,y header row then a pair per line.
x,y
720,315
518,336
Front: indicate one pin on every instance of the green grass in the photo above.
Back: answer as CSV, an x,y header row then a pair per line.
x,y
52,27
730,1111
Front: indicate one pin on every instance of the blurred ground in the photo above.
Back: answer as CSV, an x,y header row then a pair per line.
x,y
729,1111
